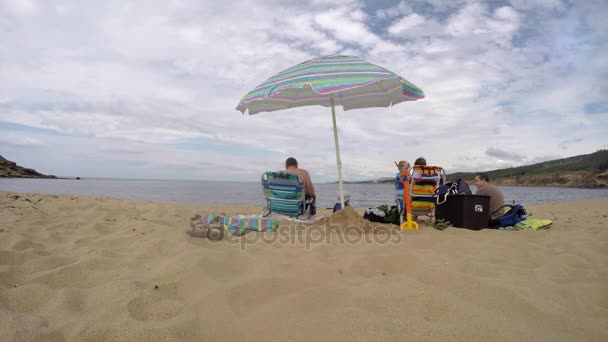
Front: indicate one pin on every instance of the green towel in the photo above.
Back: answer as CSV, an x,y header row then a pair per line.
x,y
530,224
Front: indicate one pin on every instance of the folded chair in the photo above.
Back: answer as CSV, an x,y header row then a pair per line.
x,y
285,195
424,181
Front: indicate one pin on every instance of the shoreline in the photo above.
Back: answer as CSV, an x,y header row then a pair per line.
x,y
327,210
257,204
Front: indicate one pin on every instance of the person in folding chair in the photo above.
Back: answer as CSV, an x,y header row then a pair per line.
x,y
291,167
424,181
289,192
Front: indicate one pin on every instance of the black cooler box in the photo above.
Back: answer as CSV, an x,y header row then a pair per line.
x,y
465,211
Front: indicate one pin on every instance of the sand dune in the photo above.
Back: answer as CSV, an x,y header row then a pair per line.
x,y
76,268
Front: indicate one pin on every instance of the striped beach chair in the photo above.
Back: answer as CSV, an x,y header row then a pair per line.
x,y
424,181
214,226
285,195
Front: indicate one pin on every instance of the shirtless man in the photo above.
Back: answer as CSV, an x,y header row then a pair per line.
x,y
291,166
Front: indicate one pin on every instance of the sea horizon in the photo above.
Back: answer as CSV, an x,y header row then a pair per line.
x,y
257,181
250,192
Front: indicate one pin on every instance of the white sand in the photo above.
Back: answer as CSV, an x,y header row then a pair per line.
x,y
76,268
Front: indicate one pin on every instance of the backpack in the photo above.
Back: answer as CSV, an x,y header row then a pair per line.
x,y
338,206
383,214
452,188
516,214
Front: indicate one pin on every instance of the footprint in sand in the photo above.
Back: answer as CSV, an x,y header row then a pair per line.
x,y
440,277
26,298
74,300
222,268
183,331
154,307
10,278
372,266
51,227
481,269
476,290
26,244
11,258
105,228
250,295
39,335
79,275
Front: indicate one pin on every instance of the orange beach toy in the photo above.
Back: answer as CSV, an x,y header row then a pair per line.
x,y
408,224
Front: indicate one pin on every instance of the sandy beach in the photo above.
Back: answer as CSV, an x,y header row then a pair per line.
x,y
75,268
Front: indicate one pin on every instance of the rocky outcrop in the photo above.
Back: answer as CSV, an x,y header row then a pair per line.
x,y
12,170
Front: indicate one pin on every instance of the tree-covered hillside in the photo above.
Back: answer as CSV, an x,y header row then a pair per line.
x,y
597,161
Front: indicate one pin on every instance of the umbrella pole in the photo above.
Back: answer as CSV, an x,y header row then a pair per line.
x,y
338,162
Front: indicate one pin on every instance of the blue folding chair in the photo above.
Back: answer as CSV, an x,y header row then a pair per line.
x,y
285,195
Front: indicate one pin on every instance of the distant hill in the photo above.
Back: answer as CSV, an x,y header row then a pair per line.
x,y
12,170
379,180
586,170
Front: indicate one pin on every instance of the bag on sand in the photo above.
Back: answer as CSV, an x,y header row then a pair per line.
x,y
516,214
452,188
382,214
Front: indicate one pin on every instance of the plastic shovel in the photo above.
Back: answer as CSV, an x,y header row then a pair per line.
x,y
408,224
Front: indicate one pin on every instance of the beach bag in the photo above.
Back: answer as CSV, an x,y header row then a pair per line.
x,y
338,206
517,213
382,214
452,188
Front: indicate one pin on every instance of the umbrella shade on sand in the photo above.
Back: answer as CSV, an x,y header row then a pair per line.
x,y
330,81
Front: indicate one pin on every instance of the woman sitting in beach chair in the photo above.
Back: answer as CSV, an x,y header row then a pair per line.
x,y
424,181
285,194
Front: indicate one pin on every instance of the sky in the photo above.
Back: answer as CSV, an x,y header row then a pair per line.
x,y
148,89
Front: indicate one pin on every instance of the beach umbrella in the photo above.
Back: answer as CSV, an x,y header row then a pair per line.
x,y
330,81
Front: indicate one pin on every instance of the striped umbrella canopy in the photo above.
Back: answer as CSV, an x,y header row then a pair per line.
x,y
330,81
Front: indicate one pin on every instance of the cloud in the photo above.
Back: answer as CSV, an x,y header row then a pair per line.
x,y
161,80
20,8
535,4
406,23
18,141
123,151
402,8
504,155
347,24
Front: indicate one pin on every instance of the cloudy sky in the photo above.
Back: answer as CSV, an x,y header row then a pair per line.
x,y
147,89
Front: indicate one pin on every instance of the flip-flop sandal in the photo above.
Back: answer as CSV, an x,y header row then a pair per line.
x,y
442,224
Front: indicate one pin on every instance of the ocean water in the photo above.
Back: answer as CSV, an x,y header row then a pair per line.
x,y
209,192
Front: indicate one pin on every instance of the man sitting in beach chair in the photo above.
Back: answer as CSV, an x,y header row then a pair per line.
x,y
291,166
285,194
